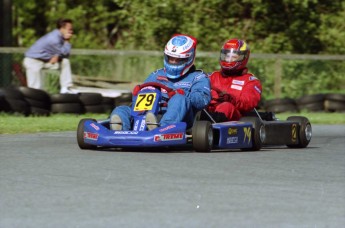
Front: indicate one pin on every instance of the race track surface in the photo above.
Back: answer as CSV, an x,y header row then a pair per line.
x,y
47,181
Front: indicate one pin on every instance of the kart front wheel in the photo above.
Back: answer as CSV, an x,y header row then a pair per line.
x,y
80,135
202,134
304,133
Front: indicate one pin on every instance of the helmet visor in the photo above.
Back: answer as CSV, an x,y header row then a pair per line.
x,y
232,55
175,61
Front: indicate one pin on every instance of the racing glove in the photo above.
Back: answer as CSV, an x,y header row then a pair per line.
x,y
172,93
136,90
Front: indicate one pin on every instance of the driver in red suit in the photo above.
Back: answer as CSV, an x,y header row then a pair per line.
x,y
234,90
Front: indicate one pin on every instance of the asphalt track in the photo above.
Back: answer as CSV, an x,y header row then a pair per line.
x,y
47,181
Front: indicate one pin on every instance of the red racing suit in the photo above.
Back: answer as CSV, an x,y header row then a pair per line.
x,y
243,94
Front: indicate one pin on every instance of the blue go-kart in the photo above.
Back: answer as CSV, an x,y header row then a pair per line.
x,y
204,136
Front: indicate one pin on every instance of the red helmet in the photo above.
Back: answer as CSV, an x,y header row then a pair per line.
x,y
234,56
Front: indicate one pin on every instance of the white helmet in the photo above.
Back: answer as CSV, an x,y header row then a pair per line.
x,y
179,55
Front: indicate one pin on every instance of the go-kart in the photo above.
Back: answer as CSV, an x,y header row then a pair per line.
x,y
295,132
204,136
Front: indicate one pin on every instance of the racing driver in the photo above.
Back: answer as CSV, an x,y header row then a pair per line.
x,y
234,90
191,88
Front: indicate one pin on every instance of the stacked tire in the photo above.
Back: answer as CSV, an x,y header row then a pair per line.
x,y
39,100
123,99
66,103
92,102
335,102
13,101
281,105
108,104
313,103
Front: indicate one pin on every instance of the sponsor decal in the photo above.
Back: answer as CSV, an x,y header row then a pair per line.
x,y
252,78
257,89
90,135
294,132
200,76
142,125
162,78
167,128
168,137
247,134
183,84
237,82
136,124
232,131
94,126
126,132
231,140
237,87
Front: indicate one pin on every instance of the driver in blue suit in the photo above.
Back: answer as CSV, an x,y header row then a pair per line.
x,y
191,87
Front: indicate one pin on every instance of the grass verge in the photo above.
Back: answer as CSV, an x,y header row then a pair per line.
x,y
14,124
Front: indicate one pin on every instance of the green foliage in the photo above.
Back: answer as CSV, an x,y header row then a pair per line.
x,y
283,26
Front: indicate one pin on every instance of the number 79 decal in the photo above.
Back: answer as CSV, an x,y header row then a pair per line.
x,y
145,102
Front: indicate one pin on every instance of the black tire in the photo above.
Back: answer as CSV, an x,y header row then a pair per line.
x,y
94,108
313,107
65,98
279,108
35,94
19,106
36,111
334,106
91,98
76,108
80,136
335,97
12,93
258,132
38,103
279,101
202,134
308,99
4,105
305,131
123,99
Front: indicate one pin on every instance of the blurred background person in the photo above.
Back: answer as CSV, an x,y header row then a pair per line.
x,y
51,51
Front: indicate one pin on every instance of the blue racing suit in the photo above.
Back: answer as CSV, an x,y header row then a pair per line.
x,y
180,108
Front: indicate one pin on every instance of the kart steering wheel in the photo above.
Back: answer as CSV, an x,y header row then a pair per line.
x,y
156,85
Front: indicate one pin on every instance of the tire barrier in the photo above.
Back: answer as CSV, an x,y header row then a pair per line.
x,y
92,102
13,101
39,101
66,103
28,101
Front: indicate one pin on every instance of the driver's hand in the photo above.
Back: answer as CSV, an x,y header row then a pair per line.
x,y
177,91
54,59
136,90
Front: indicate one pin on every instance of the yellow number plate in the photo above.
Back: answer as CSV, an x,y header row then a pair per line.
x,y
145,102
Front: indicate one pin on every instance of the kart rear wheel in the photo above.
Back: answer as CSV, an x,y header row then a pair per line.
x,y
258,132
305,131
202,134
80,136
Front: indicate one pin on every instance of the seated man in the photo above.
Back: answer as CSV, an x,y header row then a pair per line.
x,y
191,87
234,90
51,51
